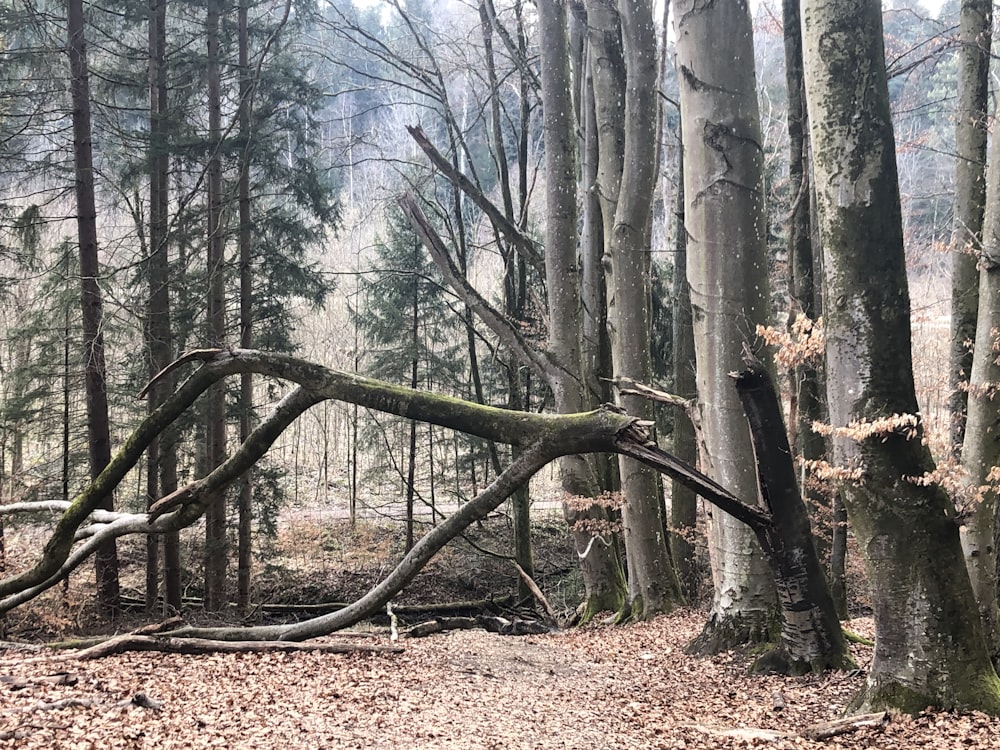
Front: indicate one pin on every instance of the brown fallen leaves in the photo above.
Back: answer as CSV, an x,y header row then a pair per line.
x,y
602,687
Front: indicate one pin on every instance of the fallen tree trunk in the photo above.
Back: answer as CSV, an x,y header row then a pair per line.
x,y
172,645
541,438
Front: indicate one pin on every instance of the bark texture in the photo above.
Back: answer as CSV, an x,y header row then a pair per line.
x,y
727,272
623,44
976,294
95,374
930,648
603,577
981,447
971,120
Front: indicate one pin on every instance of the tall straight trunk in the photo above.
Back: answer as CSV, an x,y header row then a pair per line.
x,y
727,273
808,392
624,54
981,450
596,345
971,120
98,428
216,552
514,298
929,644
244,553
411,471
981,447
602,574
683,500
161,474
976,238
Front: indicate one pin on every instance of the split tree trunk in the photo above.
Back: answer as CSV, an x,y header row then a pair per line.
x,y
623,44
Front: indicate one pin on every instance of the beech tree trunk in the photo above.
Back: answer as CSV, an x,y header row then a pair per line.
x,y
95,375
603,576
971,120
929,644
683,501
981,447
623,41
727,272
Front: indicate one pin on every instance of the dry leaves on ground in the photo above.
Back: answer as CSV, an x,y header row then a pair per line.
x,y
602,687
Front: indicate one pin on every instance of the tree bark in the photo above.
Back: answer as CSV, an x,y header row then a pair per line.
x,y
162,462
603,577
95,375
683,501
977,239
727,272
244,554
216,547
971,120
623,41
929,645
807,390
811,637
981,447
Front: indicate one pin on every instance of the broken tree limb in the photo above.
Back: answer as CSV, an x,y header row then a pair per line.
x,y
540,360
524,245
811,637
172,645
837,727
539,596
541,438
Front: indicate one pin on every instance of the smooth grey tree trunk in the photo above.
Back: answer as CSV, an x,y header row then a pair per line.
x,y
929,644
626,126
981,446
971,120
727,273
603,577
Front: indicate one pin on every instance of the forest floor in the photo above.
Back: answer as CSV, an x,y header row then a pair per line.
x,y
600,686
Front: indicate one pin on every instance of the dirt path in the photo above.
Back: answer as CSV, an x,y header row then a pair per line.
x,y
627,687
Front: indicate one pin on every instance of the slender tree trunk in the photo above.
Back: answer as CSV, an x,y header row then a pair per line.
x,y
162,456
975,29
411,470
727,272
807,391
603,577
514,299
626,179
683,501
929,644
245,503
98,429
216,552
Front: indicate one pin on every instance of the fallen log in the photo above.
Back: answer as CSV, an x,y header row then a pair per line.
x,y
816,732
172,645
834,728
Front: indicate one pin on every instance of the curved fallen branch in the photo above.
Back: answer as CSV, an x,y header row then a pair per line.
x,y
550,435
